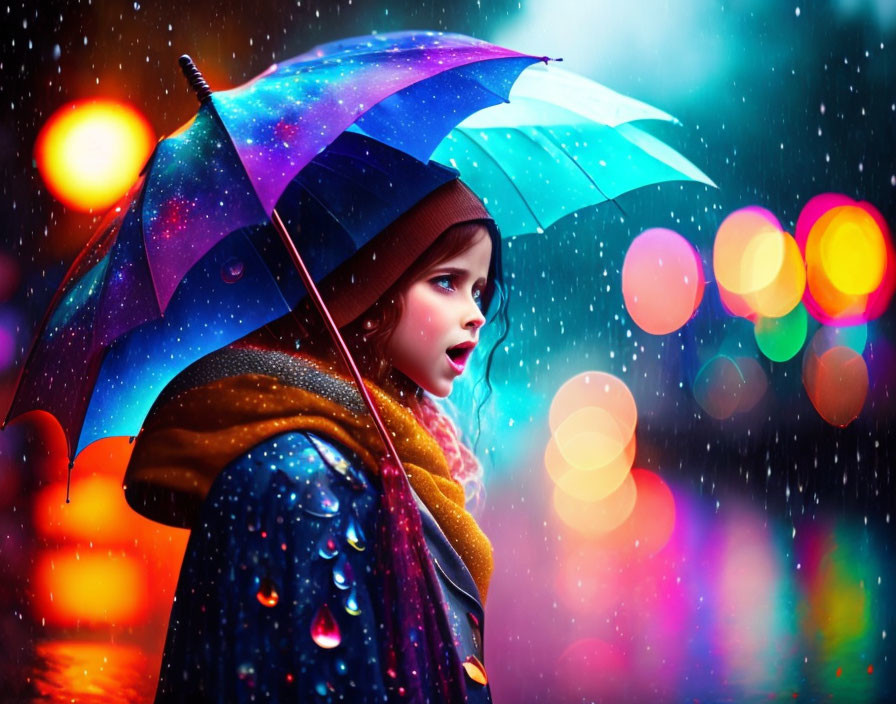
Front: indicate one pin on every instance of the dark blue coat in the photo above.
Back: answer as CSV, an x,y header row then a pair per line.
x,y
283,547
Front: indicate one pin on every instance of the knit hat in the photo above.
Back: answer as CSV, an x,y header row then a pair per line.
x,y
358,283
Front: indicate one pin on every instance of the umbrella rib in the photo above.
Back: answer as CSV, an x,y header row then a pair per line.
x,y
557,144
317,299
354,183
152,279
323,205
500,168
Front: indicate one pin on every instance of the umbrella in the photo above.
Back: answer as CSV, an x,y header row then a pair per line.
x,y
562,143
223,171
347,194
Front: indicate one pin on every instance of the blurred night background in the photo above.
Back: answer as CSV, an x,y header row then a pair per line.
x,y
761,564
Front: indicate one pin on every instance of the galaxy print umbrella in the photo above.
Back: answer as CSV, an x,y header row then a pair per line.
x,y
222,172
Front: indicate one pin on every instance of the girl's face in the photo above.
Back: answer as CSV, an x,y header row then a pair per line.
x,y
441,317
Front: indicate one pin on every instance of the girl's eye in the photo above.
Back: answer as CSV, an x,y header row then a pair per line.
x,y
477,297
443,282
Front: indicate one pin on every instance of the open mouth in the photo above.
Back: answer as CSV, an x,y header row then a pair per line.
x,y
459,354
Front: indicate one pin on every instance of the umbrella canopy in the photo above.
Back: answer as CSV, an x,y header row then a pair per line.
x,y
345,196
562,143
223,171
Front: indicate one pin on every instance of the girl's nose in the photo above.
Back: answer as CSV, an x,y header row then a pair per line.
x,y
474,319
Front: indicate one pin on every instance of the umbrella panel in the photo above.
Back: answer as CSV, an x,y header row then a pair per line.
x,y
531,176
196,191
416,119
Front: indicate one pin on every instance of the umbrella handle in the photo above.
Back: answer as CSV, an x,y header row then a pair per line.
x,y
337,338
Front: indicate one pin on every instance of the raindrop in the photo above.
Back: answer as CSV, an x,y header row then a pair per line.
x,y
354,535
327,547
475,669
324,629
57,52
232,270
343,575
318,499
267,593
351,603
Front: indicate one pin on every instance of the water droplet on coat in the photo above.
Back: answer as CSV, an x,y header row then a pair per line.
x,y
324,629
327,547
343,575
354,535
351,603
318,498
475,670
267,592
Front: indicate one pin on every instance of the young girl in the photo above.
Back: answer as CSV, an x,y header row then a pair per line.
x,y
312,573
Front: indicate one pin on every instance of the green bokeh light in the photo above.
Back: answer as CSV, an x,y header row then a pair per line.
x,y
780,339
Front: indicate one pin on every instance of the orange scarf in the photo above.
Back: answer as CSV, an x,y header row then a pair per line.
x,y
186,441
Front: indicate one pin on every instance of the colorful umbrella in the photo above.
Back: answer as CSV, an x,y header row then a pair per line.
x,y
347,194
223,171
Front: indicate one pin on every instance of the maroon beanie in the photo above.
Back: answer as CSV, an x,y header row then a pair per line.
x,y
358,283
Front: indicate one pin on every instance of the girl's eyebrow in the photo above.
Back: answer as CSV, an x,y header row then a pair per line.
x,y
455,271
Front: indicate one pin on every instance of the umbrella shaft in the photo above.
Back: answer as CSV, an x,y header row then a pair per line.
x,y
338,340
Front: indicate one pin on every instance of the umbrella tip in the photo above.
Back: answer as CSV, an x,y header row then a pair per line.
x,y
194,78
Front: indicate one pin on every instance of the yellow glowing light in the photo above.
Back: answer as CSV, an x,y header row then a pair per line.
x,y
589,438
785,290
853,252
748,251
589,484
600,390
595,518
89,152
79,585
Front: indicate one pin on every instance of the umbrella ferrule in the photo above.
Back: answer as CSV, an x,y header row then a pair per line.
x,y
194,78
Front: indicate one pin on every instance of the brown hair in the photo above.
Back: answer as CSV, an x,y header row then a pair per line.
x,y
307,332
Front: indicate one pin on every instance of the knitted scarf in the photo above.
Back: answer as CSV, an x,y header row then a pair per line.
x,y
190,437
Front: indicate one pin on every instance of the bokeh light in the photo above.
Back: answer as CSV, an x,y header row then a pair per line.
x,y
850,260
597,389
90,151
780,339
836,381
649,525
597,518
90,586
591,484
840,578
590,437
753,624
853,336
718,387
758,267
755,383
662,281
